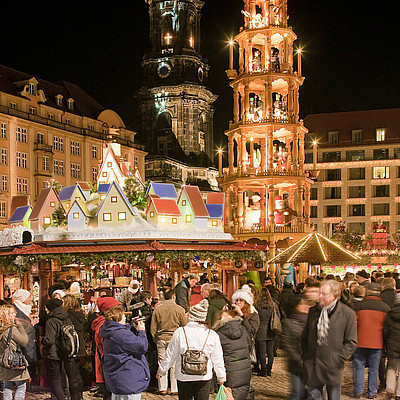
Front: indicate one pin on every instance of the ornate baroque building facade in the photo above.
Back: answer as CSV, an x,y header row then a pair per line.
x,y
267,190
176,108
53,131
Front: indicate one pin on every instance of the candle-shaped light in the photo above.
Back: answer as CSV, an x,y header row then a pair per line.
x,y
314,155
231,54
299,61
220,162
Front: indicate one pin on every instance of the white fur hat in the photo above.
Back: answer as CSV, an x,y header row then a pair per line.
x,y
21,295
243,294
75,288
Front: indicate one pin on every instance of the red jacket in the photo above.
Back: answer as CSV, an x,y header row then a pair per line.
x,y
371,315
96,324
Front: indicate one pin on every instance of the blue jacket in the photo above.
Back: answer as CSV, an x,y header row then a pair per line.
x,y
125,367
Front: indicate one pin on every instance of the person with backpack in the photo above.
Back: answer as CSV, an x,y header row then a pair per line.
x,y
77,317
61,345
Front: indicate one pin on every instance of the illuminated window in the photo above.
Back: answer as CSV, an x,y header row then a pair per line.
x,y
151,214
174,220
188,218
107,217
380,172
75,215
163,220
113,199
380,134
109,164
67,205
184,202
121,216
102,197
47,220
214,223
52,204
104,174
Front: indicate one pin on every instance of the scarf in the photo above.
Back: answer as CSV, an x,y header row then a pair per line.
x,y
25,308
323,324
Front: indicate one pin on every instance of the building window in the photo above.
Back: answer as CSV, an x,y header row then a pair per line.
x,y
333,211
356,173
333,175
355,155
21,159
90,127
32,110
381,154
22,185
67,121
94,151
380,173
21,135
314,193
47,220
75,215
121,216
58,144
356,136
356,227
135,162
313,212
13,105
381,191
52,204
40,138
4,183
46,163
333,137
94,174
3,130
4,158
356,192
151,214
107,217
333,192
70,104
183,202
356,210
188,218
3,209
104,174
381,209
51,116
174,221
113,199
331,156
109,164
380,134
58,166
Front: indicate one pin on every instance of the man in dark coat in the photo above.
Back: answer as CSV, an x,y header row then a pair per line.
x,y
328,340
388,291
183,290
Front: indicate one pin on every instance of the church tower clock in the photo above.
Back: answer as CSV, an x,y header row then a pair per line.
x,y
175,106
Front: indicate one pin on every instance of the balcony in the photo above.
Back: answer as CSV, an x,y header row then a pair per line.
x,y
43,147
274,229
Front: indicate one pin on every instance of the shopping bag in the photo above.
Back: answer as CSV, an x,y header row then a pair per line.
x,y
221,393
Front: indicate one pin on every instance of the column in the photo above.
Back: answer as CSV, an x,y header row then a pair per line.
x,y
240,209
231,154
235,211
271,205
269,99
299,205
242,105
271,252
1,284
301,151
289,154
44,282
246,100
263,157
243,152
239,155
227,211
284,13
290,101
263,208
241,67
295,153
251,153
270,150
268,53
307,204
291,198
231,282
296,104
149,278
235,105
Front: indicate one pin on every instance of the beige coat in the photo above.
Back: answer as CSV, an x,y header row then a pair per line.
x,y
19,337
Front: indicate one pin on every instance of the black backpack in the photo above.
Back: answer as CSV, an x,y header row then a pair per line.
x,y
68,344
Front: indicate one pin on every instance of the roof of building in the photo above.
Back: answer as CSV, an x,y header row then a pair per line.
x,y
19,214
103,187
67,192
164,190
83,104
196,201
19,201
215,198
122,194
82,206
84,185
40,202
165,206
215,210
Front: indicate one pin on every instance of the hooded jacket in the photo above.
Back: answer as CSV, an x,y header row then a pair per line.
x,y
18,338
125,367
78,319
98,356
214,307
391,332
55,320
236,344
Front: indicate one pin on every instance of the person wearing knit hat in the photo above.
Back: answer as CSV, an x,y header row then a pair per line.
x,y
104,303
130,293
58,294
194,336
242,301
362,277
198,312
75,289
23,300
52,304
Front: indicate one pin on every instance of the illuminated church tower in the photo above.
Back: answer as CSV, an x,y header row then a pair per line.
x,y
267,189
176,109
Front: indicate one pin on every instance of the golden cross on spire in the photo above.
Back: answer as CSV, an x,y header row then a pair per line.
x,y
168,38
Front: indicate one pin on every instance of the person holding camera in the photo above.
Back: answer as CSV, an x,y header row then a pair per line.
x,y
124,352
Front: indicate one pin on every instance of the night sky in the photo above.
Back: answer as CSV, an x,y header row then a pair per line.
x,y
351,50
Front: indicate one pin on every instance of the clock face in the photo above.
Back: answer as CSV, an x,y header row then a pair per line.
x,y
200,74
163,70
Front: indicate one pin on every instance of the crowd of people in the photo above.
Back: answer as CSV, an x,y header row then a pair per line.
x,y
192,338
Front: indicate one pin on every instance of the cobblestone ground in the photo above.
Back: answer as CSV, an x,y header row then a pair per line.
x,y
277,386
